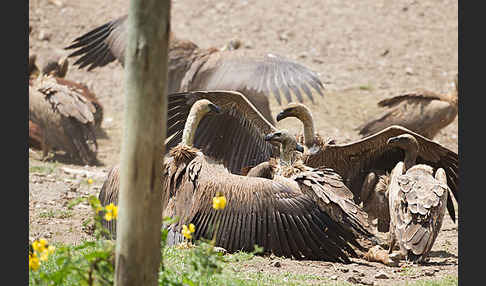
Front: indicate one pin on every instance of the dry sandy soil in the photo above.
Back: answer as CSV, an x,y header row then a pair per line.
x,y
363,51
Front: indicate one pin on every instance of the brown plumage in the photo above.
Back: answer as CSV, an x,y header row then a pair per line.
x,y
65,118
284,221
354,161
374,198
423,112
255,74
323,185
417,200
58,68
234,137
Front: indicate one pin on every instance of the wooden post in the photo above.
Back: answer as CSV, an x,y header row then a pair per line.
x,y
138,252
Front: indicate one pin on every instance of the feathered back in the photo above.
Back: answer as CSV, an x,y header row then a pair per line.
x,y
417,206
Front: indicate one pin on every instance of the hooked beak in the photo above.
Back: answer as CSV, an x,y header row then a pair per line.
x,y
300,148
392,140
214,108
269,137
283,114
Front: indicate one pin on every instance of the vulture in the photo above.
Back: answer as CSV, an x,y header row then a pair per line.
x,y
417,198
322,184
65,118
368,159
255,74
57,68
283,216
424,112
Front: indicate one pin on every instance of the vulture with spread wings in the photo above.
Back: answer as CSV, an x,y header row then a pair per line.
x,y
283,219
355,161
253,73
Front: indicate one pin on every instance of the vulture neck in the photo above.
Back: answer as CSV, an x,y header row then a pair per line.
x,y
411,153
195,116
305,116
288,155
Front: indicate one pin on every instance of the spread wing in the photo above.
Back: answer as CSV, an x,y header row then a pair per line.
x,y
353,161
327,189
414,96
257,74
234,137
258,211
412,110
101,45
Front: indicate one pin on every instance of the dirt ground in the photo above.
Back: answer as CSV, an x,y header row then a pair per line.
x,y
363,52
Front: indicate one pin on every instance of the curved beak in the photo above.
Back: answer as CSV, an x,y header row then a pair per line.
x,y
283,114
392,140
269,137
299,148
214,108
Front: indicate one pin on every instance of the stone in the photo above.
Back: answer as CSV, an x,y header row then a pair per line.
x,y
381,275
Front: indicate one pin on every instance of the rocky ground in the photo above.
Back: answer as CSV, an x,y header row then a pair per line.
x,y
363,51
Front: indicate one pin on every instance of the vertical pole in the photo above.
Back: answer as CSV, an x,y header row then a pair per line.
x,y
138,252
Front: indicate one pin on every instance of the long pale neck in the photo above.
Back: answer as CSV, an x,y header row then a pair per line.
x,y
306,117
190,127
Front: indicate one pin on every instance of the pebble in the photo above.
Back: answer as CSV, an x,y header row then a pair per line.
x,y
44,36
333,277
353,280
381,275
409,71
429,272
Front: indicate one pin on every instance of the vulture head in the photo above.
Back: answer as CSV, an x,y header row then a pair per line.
x,y
288,143
409,145
197,112
303,113
57,67
295,109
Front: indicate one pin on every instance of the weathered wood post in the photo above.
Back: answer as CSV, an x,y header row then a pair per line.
x,y
138,252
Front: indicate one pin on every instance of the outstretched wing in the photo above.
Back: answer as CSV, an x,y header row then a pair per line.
x,y
414,96
101,45
412,110
257,74
234,137
353,161
327,189
259,211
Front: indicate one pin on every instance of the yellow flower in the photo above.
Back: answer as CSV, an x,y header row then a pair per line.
x,y
219,202
51,249
192,228
98,209
111,212
186,231
33,262
44,255
90,181
39,245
